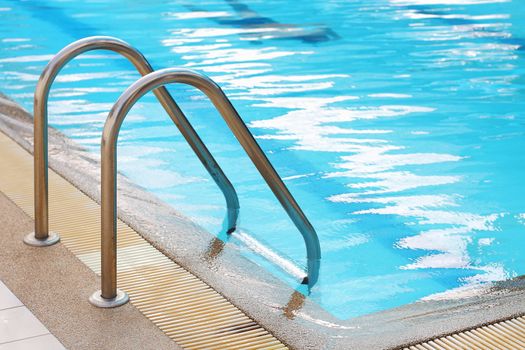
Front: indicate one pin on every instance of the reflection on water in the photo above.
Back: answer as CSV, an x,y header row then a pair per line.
x,y
397,124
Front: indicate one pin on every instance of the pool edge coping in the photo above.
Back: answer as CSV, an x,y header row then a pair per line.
x,y
232,275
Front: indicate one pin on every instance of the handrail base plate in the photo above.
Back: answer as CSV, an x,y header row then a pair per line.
x,y
52,238
97,300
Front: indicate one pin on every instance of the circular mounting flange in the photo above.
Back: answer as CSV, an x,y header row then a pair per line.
x,y
51,239
99,301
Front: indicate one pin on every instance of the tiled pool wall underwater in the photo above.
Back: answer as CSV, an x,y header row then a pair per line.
x,y
412,162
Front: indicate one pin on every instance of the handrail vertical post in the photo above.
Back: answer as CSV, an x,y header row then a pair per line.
x,y
41,237
109,295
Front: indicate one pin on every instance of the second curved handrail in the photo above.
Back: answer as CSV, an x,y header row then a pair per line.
x,y
41,236
109,294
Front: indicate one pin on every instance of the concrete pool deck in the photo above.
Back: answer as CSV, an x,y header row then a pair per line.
x,y
54,285
297,321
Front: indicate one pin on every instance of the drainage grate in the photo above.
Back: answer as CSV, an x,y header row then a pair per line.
x,y
502,335
181,305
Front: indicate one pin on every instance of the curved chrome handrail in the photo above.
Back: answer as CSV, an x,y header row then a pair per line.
x,y
42,236
109,294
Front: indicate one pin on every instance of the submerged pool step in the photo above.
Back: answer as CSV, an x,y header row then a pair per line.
x,y
508,334
185,308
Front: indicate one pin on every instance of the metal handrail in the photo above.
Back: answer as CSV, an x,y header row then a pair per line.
x,y
109,295
41,236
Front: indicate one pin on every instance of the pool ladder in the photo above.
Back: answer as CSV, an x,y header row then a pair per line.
x,y
110,295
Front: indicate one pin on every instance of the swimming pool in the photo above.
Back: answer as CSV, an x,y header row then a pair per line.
x,y
397,125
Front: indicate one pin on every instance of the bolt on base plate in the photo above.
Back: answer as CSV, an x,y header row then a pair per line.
x,y
51,239
98,300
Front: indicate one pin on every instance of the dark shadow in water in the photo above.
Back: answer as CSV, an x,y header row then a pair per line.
x,y
424,10
295,303
249,19
59,18
515,41
216,246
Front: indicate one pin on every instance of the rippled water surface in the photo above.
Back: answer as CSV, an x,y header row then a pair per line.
x,y
398,125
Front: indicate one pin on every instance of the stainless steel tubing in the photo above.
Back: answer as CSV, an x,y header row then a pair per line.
x,y
42,236
216,95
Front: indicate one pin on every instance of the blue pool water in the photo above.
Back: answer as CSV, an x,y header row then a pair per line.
x,y
397,124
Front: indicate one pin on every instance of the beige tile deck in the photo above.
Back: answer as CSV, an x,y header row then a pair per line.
x,y
19,328
7,299
43,342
